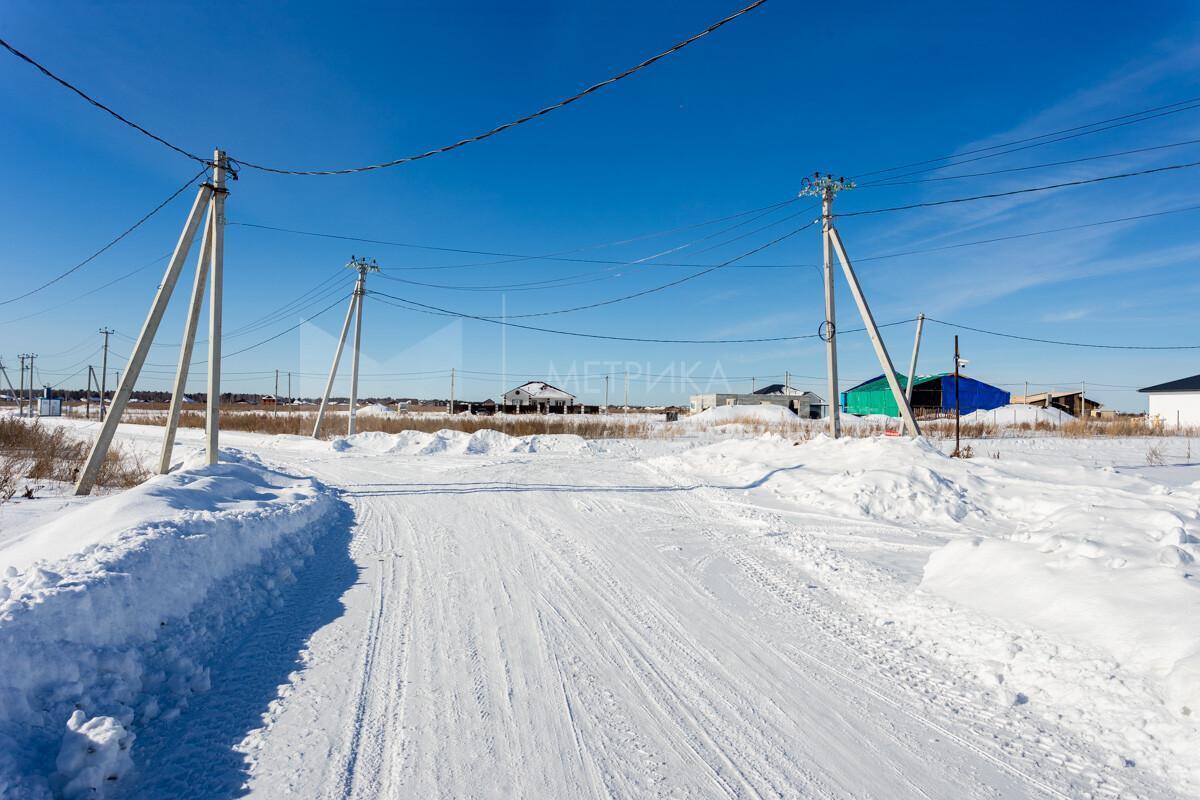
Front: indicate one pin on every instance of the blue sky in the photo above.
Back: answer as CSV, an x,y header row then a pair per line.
x,y
729,124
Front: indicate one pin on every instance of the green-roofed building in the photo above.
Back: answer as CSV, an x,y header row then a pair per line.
x,y
930,393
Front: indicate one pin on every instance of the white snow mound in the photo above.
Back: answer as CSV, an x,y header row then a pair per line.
x,y
1018,414
107,613
1096,557
450,442
723,415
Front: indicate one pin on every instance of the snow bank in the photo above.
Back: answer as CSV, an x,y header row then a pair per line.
x,y
375,410
1098,558
725,415
450,442
108,613
1018,414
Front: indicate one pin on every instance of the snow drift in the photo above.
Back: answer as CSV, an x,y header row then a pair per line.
x,y
108,613
725,415
450,442
1101,559
1018,414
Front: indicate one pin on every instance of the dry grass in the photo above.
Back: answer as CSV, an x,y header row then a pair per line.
x,y
30,451
301,424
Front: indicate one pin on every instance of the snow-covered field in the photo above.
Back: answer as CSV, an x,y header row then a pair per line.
x,y
698,615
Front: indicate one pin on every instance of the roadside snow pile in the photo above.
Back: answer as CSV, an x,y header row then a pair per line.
x,y
449,442
375,410
1018,414
1097,558
726,415
108,613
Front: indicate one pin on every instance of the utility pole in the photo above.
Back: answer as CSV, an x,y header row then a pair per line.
x,y
88,401
289,388
31,357
106,332
4,372
276,412
1083,402
912,365
787,382
210,197
452,391
605,394
363,266
826,186
21,391
752,385
957,404
626,391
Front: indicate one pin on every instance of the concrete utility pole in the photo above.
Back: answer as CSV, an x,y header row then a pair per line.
x,y
826,186
363,266
206,195
912,365
276,411
626,391
1083,402
787,382
289,387
31,357
191,323
105,332
216,280
605,394
4,372
451,390
957,404
21,391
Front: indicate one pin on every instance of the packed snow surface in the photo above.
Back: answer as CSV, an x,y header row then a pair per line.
x,y
709,613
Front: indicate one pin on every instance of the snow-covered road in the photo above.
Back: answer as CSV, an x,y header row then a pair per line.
x,y
708,616
563,626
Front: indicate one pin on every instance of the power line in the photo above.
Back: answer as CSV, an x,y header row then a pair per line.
x,y
334,304
1022,191
592,276
100,105
520,120
1170,108
667,285
1064,344
121,236
412,305
888,182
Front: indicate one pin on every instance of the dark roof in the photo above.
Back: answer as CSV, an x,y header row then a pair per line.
x,y
1191,384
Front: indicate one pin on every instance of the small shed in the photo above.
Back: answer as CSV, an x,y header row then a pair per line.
x,y
1175,402
931,394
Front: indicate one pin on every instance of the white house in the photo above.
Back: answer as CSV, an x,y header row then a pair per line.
x,y
1176,403
539,396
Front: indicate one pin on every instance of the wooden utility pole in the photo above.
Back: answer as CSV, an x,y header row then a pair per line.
x,y
158,307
